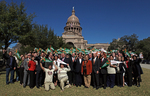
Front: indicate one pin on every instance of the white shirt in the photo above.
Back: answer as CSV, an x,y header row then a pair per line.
x,y
50,58
48,75
141,55
58,64
62,72
80,60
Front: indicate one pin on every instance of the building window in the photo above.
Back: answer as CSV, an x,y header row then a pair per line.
x,y
79,39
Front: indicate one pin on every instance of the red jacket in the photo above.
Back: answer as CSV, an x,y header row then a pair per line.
x,y
32,65
88,67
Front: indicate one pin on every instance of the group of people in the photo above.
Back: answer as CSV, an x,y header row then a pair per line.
x,y
76,69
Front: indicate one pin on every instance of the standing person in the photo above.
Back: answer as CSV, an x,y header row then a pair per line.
x,y
55,79
17,68
129,64
73,63
124,69
50,56
103,71
69,73
111,74
39,70
21,70
119,74
26,74
49,76
62,76
141,56
137,70
95,71
10,66
32,68
86,71
90,56
79,77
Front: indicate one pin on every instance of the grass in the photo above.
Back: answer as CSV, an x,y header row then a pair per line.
x,y
17,90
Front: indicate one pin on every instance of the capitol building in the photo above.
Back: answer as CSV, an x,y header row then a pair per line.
x,y
73,34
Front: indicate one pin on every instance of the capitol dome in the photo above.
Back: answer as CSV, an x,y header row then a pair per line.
x,y
73,18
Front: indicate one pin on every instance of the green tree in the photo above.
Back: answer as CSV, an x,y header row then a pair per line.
x,y
42,37
15,24
126,41
144,46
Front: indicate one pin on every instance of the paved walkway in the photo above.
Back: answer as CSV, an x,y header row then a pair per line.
x,y
145,66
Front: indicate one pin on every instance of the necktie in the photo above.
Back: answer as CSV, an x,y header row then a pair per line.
x,y
101,60
94,61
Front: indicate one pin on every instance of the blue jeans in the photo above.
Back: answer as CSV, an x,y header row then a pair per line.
x,y
17,74
8,70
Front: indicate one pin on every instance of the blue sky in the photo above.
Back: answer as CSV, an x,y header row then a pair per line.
x,y
101,20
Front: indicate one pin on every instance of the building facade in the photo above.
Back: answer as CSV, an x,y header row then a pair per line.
x,y
73,34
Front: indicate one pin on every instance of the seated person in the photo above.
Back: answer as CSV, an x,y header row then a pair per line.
x,y
49,76
62,76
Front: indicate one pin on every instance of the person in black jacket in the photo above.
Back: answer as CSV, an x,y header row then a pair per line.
x,y
39,72
95,71
79,77
129,71
68,60
10,66
73,64
119,74
103,71
137,70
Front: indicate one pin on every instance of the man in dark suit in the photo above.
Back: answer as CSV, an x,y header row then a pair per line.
x,y
10,66
69,73
74,65
95,71
39,72
79,77
103,71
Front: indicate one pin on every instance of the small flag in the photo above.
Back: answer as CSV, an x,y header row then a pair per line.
x,y
48,50
52,48
106,64
126,52
46,60
17,53
89,48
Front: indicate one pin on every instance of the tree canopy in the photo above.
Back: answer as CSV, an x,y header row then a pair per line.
x,y
126,41
42,37
15,23
144,46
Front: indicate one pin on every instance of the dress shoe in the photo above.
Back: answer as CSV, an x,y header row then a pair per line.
x,y
37,87
24,86
94,87
97,88
86,87
104,87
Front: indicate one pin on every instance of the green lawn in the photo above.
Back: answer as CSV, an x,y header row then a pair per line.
x,y
17,90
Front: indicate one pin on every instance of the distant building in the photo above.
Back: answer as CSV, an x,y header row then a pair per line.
x,y
73,34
